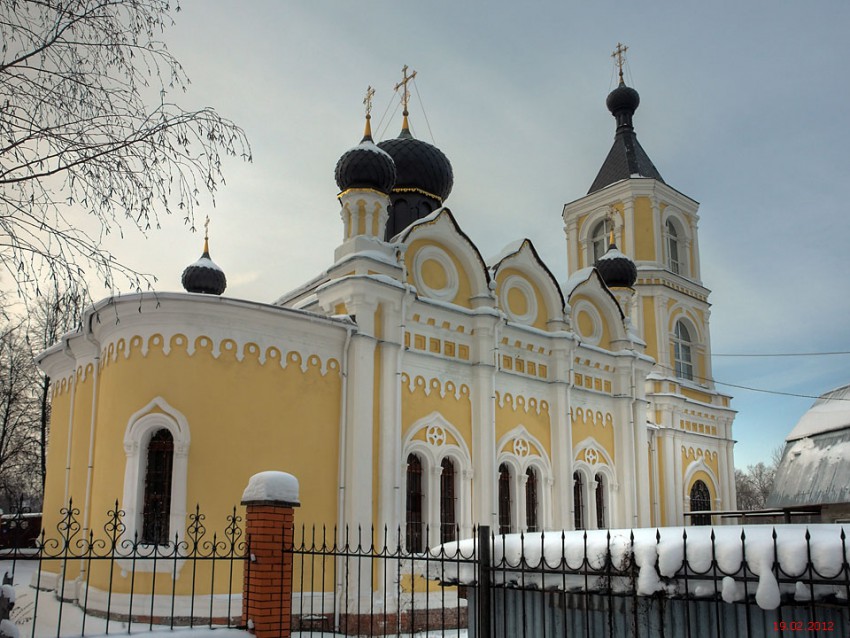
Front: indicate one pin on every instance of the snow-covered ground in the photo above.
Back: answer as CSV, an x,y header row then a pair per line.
x,y
38,614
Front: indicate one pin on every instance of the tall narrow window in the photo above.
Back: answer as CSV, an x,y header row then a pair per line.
x,y
157,504
599,240
682,354
531,501
700,502
578,499
504,499
601,518
414,532
673,249
448,522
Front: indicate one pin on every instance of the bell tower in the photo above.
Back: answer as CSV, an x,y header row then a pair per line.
x,y
657,227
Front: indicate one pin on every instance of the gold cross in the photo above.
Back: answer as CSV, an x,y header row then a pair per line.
x,y
619,53
367,101
405,96
207,228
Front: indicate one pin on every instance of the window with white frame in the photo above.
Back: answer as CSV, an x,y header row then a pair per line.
x,y
601,512
448,502
156,512
599,239
505,509
578,500
415,522
700,502
156,442
531,500
683,351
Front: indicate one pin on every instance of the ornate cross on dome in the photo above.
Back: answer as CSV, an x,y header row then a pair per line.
x,y
405,95
620,54
367,101
207,228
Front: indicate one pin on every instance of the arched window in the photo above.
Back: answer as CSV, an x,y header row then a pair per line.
x,y
156,512
578,499
504,499
599,240
448,520
601,518
531,501
673,249
682,355
415,498
700,502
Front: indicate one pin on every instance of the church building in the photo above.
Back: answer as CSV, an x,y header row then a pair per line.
x,y
415,384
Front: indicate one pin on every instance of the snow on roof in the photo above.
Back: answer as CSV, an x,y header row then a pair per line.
x,y
507,251
813,471
205,262
577,278
271,486
830,412
664,548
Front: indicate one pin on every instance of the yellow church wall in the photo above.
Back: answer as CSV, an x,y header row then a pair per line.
x,y
650,331
416,404
431,268
57,443
517,303
691,454
589,423
287,410
584,321
644,230
513,411
696,395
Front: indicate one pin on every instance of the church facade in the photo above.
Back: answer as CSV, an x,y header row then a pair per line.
x,y
414,384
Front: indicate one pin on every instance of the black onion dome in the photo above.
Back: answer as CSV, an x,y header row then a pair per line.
x,y
616,269
419,166
366,166
623,98
204,276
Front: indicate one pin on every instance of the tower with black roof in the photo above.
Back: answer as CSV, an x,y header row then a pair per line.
x,y
632,226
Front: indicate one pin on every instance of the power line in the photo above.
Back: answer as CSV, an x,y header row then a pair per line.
x,y
752,389
778,354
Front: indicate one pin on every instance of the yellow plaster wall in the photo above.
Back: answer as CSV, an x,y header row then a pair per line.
x,y
416,404
281,413
691,454
644,230
605,341
542,314
650,330
464,290
520,410
589,423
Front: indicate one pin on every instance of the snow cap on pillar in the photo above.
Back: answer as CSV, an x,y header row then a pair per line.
x,y
272,488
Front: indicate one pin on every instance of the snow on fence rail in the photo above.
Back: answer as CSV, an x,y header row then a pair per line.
x,y
799,563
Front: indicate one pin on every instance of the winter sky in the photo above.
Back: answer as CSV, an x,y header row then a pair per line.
x,y
743,108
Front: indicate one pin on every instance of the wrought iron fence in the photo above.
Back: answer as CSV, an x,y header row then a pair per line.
x,y
695,582
99,580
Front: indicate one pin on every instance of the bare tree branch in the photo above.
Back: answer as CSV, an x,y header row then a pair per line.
x,y
87,129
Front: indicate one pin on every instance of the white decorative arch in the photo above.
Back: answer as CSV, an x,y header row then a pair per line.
x,y
699,465
520,459
684,237
603,301
156,415
441,228
593,220
431,452
604,466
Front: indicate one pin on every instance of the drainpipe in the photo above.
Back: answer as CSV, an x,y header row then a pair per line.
x,y
66,350
89,335
343,414
400,252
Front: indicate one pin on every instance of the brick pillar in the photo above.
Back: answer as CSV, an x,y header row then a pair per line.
x,y
267,587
